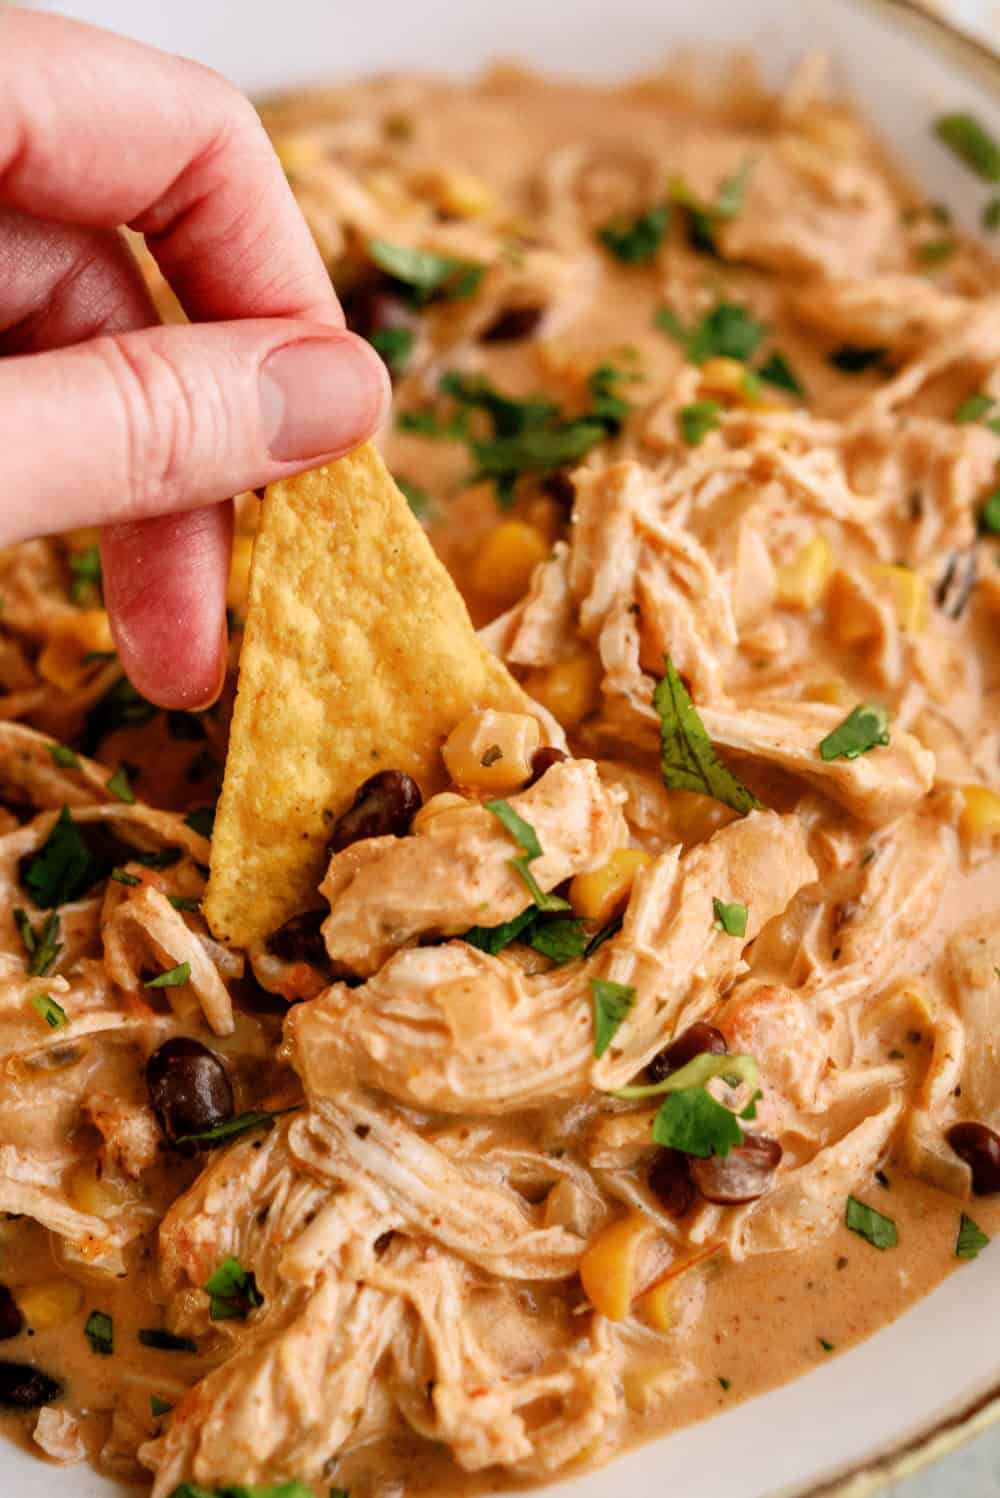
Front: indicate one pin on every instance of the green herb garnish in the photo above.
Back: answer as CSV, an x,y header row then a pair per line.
x,y
64,757
692,1121
494,939
119,786
936,251
562,939
612,1002
705,218
971,142
697,419
99,1331
158,1406
164,1341
727,331
777,371
395,345
736,1071
636,240
975,407
63,869
174,977
425,275
42,948
243,1123
52,1013
688,761
826,1346
232,1291
85,575
525,836
971,1239
184,902
876,1229
990,216
732,919
724,1385
865,727
989,515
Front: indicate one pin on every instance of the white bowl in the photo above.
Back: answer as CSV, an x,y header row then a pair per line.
x,y
904,1395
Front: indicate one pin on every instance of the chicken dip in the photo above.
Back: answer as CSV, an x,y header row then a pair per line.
x,y
632,1046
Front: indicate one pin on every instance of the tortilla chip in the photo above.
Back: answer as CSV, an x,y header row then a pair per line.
x,y
358,656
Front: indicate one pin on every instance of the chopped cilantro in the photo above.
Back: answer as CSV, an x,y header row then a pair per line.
x,y
636,240
85,575
418,499
612,1002
735,1070
292,1489
853,358
164,1341
877,1230
936,251
64,757
395,345
243,1123
989,515
605,934
732,919
706,217
990,216
63,869
606,405
865,727
184,902
975,407
562,939
697,419
122,876
201,820
493,939
692,1121
971,1239
688,761
119,786
232,1291
158,1406
424,274
164,858
777,371
826,1346
52,1013
971,142
727,331
724,1385
524,834
174,977
42,949
99,1331
539,450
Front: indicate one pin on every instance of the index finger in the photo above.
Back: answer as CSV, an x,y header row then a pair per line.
x,y
99,130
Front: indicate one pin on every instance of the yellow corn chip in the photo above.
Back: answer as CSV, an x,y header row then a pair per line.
x,y
358,656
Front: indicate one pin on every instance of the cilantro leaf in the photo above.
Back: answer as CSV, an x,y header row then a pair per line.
x,y
975,407
989,515
99,1331
493,939
63,869
52,1013
704,218
605,934
777,371
736,1070
936,251
727,331
158,1406
394,345
542,900
826,1346
119,786
243,1123
606,405
64,757
562,939
525,836
971,142
636,240
232,1291
732,919
184,902
865,727
697,419
425,274
85,575
876,1229
853,358
688,761
971,1239
43,949
692,1121
612,1002
174,977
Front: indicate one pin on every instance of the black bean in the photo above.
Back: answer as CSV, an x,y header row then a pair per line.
x,y
979,1147
301,940
383,807
741,1176
189,1088
544,759
25,1388
512,323
670,1181
11,1320
696,1040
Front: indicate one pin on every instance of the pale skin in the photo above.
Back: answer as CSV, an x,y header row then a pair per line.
x,y
108,418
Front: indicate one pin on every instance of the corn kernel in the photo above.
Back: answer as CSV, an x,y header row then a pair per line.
x,y
95,1193
490,750
502,570
833,689
693,818
981,812
51,1303
648,1389
460,194
238,587
570,690
73,637
910,598
802,583
599,895
608,1268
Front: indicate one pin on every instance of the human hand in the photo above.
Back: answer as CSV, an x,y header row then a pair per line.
x,y
108,418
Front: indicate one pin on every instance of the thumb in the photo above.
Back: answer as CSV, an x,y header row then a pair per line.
x,y
171,418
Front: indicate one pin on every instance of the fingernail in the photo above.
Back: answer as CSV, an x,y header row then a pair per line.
x,y
320,396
